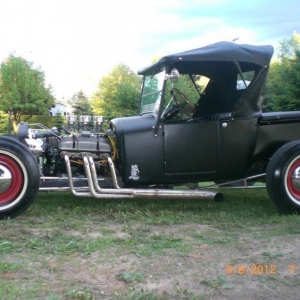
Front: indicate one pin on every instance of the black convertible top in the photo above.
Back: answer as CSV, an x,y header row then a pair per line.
x,y
222,51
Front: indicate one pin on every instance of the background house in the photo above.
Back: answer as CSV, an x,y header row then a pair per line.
x,y
63,108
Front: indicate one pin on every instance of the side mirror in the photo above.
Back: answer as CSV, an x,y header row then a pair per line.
x,y
174,75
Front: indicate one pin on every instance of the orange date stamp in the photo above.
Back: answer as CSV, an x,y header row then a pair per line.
x,y
251,269
259,269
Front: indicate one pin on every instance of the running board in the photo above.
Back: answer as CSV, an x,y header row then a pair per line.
x,y
97,192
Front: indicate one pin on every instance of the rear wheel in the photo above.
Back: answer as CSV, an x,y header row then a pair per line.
x,y
19,178
283,177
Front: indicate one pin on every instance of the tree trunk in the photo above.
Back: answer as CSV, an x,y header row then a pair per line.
x,y
15,126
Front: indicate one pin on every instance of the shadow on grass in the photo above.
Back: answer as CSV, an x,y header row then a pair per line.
x,y
239,206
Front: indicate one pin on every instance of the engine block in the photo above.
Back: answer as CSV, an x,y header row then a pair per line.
x,y
94,144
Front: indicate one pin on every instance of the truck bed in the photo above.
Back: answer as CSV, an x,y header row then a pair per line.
x,y
276,129
279,117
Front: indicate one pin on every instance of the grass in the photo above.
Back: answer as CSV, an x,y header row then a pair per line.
x,y
61,245
240,209
156,211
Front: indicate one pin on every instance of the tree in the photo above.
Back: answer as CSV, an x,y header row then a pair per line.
x,y
81,104
288,48
283,86
4,121
58,121
118,93
294,76
276,96
22,89
187,87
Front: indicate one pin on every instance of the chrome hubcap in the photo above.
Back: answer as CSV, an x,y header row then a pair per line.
x,y
296,178
5,179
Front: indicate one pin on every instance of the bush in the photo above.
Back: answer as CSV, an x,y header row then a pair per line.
x,y
58,121
48,121
3,122
45,120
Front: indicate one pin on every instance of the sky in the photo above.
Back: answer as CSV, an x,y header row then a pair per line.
x,y
77,42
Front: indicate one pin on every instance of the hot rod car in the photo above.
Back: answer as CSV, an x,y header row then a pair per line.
x,y
200,120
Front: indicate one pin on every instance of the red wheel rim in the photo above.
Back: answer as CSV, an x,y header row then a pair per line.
x,y
13,190
292,171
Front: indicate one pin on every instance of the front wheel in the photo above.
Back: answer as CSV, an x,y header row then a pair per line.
x,y
19,178
283,177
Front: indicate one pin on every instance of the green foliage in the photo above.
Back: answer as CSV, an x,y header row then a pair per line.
x,y
81,104
84,294
187,87
6,267
294,76
22,89
288,48
118,93
58,121
282,91
3,122
45,120
131,277
49,121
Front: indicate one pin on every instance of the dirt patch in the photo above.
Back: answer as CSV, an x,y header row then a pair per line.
x,y
179,262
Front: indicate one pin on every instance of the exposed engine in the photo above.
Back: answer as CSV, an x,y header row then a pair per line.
x,y
56,148
50,146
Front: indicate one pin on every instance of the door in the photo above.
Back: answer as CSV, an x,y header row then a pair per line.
x,y
190,147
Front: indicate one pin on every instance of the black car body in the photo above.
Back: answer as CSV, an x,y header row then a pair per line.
x,y
218,141
200,119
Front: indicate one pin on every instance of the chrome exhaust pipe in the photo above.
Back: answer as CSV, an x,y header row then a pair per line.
x,y
97,192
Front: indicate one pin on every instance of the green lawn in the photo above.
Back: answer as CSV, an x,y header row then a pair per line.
x,y
64,247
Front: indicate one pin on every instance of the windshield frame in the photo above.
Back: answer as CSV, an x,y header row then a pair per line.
x,y
152,93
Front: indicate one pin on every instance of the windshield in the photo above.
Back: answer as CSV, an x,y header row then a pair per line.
x,y
151,93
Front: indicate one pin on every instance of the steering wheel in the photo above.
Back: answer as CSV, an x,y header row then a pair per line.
x,y
182,100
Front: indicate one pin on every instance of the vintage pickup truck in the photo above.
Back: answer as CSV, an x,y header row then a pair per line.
x,y
199,120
